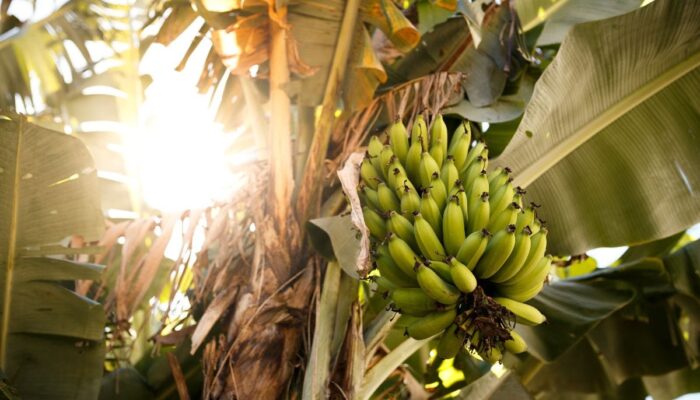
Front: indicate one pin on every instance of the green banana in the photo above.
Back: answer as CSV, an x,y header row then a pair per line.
x,y
404,321
373,150
485,156
435,287
369,174
402,227
438,134
413,161
479,185
375,223
501,197
431,324
494,173
506,217
428,241
440,268
402,182
473,248
387,198
472,171
369,196
429,205
419,132
460,152
428,166
449,173
410,202
463,203
431,211
463,131
413,301
536,225
516,344
526,287
453,226
398,138
478,213
396,176
538,246
475,152
451,342
383,284
518,197
462,277
388,268
402,254
517,258
520,293
437,154
385,159
438,190
497,252
526,218
498,178
525,313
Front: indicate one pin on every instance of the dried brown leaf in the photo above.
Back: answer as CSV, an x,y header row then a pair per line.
x,y
349,178
211,316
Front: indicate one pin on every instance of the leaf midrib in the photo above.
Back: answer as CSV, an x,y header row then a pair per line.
x,y
533,171
11,250
545,15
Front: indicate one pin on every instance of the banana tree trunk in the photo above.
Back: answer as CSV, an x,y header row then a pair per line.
x,y
260,353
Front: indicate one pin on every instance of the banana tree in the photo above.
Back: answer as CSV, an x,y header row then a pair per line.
x,y
278,309
357,348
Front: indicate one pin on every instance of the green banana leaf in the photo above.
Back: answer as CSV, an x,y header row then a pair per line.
x,y
50,337
608,143
579,375
622,354
572,309
560,16
656,248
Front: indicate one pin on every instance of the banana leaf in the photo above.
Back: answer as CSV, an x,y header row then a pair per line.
x,y
651,338
50,337
608,142
559,16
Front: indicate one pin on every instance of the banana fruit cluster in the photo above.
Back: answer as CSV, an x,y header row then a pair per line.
x,y
454,244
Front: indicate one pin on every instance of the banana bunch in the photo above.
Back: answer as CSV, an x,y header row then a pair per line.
x,y
453,242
